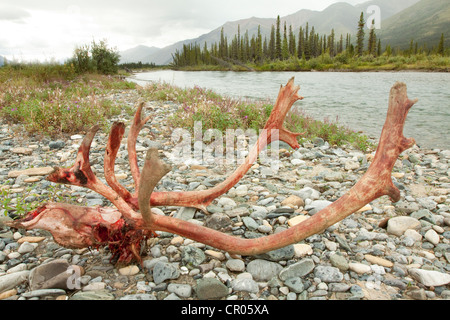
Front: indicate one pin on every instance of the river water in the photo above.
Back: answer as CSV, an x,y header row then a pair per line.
x,y
358,100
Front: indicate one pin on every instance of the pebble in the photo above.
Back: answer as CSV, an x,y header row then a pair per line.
x,y
398,225
211,288
263,270
235,265
430,278
181,290
432,236
359,267
129,270
385,249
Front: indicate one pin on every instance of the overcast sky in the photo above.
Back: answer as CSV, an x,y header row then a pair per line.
x,y
51,29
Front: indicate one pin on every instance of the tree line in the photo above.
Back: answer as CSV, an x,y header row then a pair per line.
x,y
283,44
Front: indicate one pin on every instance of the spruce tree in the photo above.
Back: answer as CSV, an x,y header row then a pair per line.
x,y
360,36
441,46
278,40
271,48
285,46
292,47
301,43
372,45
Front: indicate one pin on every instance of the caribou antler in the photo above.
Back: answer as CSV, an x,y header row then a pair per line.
x,y
123,229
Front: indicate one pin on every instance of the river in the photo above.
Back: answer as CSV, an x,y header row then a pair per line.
x,y
358,100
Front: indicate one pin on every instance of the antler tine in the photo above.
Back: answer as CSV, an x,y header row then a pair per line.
x,y
153,171
112,147
136,127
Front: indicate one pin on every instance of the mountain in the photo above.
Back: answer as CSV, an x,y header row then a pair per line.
x,y
136,54
424,22
341,16
2,61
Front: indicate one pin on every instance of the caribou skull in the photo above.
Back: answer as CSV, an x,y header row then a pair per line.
x,y
125,227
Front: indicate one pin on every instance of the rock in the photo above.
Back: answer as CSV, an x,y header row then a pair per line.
x,y
8,293
44,293
379,261
93,295
293,201
12,280
27,247
56,274
284,253
430,278
407,207
30,239
263,270
398,225
359,268
418,294
185,213
297,220
192,256
181,290
241,191
413,234
295,284
94,286
338,287
235,265
301,250
427,203
56,144
31,172
226,202
339,262
308,193
163,271
357,292
129,270
218,221
139,296
316,206
22,150
298,269
432,236
210,288
332,175
250,223
246,285
351,165
328,274
172,297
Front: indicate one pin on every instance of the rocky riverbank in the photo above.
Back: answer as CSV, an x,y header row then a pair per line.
x,y
389,251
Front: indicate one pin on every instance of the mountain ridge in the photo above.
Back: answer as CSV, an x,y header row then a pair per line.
x,y
341,16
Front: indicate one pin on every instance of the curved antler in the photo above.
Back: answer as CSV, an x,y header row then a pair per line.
x,y
376,182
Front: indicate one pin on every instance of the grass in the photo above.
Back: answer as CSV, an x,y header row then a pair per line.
x,y
222,113
52,99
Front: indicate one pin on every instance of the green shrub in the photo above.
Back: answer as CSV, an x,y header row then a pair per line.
x,y
96,57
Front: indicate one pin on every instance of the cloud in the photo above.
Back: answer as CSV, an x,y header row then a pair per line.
x,y
13,14
54,27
